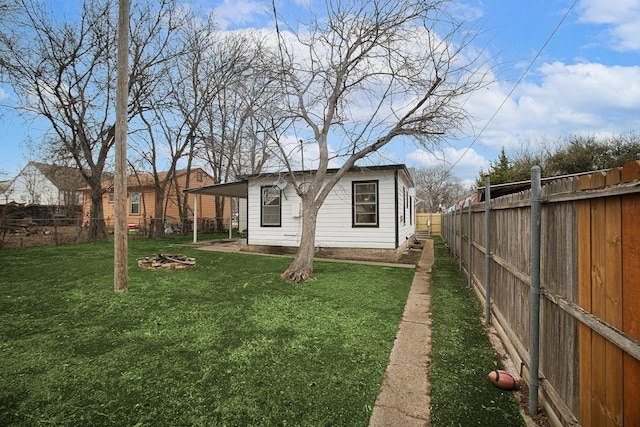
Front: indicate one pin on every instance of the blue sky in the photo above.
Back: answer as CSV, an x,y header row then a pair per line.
x,y
585,81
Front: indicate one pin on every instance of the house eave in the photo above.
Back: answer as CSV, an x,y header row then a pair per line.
x,y
229,189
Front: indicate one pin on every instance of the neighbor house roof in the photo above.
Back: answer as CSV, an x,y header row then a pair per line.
x,y
143,179
4,186
65,178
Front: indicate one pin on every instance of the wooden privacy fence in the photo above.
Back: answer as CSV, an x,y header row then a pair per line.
x,y
587,342
429,222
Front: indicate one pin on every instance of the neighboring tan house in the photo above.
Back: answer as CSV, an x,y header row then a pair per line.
x,y
141,200
49,185
371,208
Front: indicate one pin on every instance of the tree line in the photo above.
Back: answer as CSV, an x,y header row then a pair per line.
x,y
195,94
571,155
342,83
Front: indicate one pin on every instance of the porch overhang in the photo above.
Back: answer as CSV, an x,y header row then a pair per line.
x,y
229,189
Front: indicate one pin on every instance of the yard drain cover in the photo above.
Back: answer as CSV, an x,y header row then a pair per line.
x,y
172,261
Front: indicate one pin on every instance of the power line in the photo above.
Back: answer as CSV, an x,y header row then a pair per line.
x,y
535,58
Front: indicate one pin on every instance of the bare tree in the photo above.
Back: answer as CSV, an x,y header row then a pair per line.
x,y
234,140
170,115
65,72
366,74
437,188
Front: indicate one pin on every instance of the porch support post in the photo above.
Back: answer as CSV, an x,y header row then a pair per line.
x,y
195,217
230,217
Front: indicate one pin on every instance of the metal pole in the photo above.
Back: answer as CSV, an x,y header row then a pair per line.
x,y
195,217
230,217
453,226
469,248
461,239
534,293
487,247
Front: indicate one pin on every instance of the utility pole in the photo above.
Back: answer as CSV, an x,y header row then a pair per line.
x,y
120,242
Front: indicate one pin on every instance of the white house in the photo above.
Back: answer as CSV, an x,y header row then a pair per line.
x,y
370,208
44,184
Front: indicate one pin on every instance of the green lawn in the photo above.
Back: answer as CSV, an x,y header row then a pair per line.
x,y
225,343
461,394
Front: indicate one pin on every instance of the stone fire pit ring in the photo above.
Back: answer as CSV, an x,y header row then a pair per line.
x,y
166,261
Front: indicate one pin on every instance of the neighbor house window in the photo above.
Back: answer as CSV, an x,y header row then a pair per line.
x,y
365,203
111,198
135,204
271,207
199,176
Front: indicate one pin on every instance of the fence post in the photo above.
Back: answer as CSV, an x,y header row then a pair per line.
x,y
469,248
487,247
534,293
461,239
453,235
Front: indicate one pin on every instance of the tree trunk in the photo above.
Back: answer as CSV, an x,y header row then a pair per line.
x,y
157,222
301,268
219,223
97,226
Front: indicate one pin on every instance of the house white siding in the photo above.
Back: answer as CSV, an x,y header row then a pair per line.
x,y
335,227
406,210
42,184
32,187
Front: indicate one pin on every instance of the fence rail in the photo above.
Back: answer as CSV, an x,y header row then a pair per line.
x,y
23,231
589,321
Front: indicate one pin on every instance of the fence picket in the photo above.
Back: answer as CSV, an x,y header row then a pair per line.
x,y
590,265
584,299
631,291
614,356
598,300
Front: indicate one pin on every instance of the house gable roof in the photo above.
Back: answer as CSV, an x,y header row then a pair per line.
x,y
65,178
144,179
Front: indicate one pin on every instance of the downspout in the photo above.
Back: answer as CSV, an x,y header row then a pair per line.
x,y
534,293
487,248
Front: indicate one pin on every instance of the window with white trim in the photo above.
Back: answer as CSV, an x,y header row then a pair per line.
x,y
365,203
135,204
271,207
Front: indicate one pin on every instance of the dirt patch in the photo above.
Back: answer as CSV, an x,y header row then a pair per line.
x,y
521,393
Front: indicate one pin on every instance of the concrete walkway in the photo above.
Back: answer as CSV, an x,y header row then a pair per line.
x,y
404,397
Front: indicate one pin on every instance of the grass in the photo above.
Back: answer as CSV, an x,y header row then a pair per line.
x,y
225,343
462,356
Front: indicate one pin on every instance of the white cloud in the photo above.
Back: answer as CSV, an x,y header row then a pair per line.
x,y
567,99
468,162
622,18
232,13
